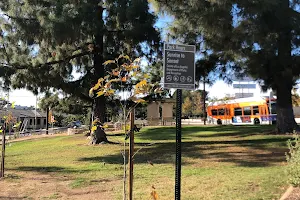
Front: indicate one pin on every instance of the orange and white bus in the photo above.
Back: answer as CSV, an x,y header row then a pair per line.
x,y
252,110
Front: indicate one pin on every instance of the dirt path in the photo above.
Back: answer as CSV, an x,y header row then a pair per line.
x,y
32,185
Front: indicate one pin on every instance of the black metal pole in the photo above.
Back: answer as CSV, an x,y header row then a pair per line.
x,y
178,144
47,120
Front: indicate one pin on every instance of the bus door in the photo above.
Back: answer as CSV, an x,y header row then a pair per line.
x,y
237,115
263,113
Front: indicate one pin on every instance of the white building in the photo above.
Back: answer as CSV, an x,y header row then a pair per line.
x,y
239,89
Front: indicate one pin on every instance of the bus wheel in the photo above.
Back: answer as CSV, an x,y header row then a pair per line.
x,y
256,121
219,122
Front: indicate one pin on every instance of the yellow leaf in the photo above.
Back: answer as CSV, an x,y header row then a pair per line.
x,y
134,73
94,128
13,105
110,92
137,60
135,67
1,131
91,92
100,80
146,76
125,57
100,93
106,77
97,86
114,80
107,85
128,68
154,195
105,126
109,62
140,101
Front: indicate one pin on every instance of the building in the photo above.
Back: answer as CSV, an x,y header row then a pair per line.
x,y
26,116
239,88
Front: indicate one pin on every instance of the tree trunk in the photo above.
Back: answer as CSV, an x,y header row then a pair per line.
x,y
99,136
285,115
284,80
99,108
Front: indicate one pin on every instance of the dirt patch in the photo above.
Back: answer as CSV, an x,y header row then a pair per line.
x,y
32,185
295,194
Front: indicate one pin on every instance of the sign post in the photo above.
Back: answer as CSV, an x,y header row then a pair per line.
x,y
179,73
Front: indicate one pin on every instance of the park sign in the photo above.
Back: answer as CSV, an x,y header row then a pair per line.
x,y
179,66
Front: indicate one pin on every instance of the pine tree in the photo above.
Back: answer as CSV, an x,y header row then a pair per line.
x,y
42,43
260,38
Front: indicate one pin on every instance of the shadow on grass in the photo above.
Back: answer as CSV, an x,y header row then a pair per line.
x,y
47,169
11,197
246,152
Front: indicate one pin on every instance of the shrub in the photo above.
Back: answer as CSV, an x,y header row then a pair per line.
x,y
293,159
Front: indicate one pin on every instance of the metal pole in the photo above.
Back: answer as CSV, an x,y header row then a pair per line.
x,y
35,113
3,151
270,109
178,144
47,120
131,153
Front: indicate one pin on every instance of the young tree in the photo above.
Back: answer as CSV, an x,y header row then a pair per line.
x,y
43,43
126,76
260,38
187,107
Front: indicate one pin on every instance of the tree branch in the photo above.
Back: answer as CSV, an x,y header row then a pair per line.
x,y
67,59
19,18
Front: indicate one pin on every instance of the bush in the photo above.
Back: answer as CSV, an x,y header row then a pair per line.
x,y
293,159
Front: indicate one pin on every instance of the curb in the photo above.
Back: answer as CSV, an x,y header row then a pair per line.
x,y
287,193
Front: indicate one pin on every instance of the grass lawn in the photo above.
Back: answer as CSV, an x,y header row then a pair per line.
x,y
219,162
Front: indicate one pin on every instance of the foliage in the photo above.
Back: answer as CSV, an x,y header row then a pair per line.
x,y
295,98
125,73
43,44
257,38
293,159
193,102
187,107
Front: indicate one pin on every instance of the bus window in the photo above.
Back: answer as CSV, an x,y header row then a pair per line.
x,y
214,112
273,108
221,111
237,111
255,110
247,110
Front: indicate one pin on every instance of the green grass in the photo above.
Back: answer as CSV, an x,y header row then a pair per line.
x,y
218,162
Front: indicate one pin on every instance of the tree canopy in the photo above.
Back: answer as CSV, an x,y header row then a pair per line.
x,y
62,44
259,38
